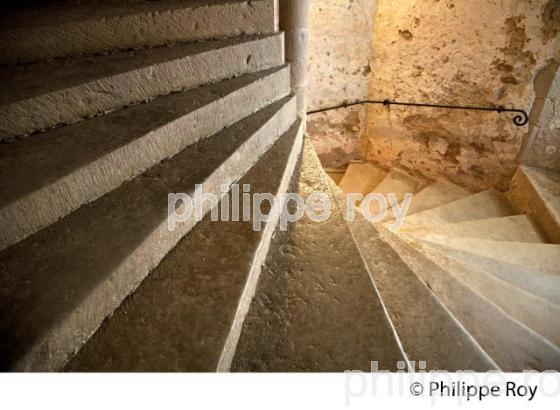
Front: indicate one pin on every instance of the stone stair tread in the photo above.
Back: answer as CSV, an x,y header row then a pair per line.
x,y
534,312
512,345
541,284
397,183
69,166
361,178
484,205
316,307
429,332
59,284
46,94
200,286
61,30
439,193
517,228
547,182
536,191
540,257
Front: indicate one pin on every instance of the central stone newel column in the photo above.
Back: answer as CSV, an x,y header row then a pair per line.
x,y
294,20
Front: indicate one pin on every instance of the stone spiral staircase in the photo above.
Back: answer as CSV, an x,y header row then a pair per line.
x,y
474,272
108,107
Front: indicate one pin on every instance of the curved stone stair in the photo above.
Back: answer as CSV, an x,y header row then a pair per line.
x,y
84,214
122,104
491,270
68,30
70,166
180,318
317,307
41,96
114,120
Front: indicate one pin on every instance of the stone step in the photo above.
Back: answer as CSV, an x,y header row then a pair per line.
x,y
398,184
336,174
484,205
537,256
439,193
61,283
428,331
534,312
40,96
361,178
541,284
513,346
181,315
518,228
69,30
316,307
70,166
536,192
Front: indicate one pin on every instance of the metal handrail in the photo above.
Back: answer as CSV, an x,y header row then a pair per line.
x,y
520,119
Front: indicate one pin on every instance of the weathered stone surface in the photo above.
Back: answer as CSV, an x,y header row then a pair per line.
x,y
537,192
542,257
439,193
316,307
428,331
336,176
338,135
73,165
542,146
340,69
63,30
180,316
537,314
487,204
60,284
451,52
538,283
518,228
294,21
43,95
399,184
361,178
457,52
512,345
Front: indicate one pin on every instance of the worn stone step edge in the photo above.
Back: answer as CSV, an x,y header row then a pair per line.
x,y
529,194
438,193
85,29
537,256
484,205
512,345
46,95
454,350
395,186
334,192
228,352
66,334
517,228
542,285
534,312
301,351
181,314
23,211
361,178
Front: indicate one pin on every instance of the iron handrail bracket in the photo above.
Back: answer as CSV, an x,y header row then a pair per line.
x,y
521,119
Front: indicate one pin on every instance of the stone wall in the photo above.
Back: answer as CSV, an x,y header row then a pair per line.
x,y
465,52
339,71
543,146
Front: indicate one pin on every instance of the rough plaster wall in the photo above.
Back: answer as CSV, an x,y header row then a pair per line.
x,y
339,71
475,52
